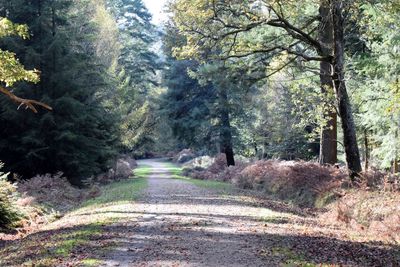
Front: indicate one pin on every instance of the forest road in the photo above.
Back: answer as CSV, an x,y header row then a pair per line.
x,y
181,224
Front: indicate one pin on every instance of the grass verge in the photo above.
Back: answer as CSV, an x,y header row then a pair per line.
x,y
80,237
209,184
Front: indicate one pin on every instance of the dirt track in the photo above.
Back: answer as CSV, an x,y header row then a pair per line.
x,y
180,224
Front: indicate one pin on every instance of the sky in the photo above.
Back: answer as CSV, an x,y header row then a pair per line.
x,y
156,8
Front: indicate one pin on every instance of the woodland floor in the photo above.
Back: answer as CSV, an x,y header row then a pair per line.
x,y
159,220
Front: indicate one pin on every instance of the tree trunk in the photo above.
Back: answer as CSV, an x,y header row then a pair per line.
x,y
225,127
54,60
328,138
40,50
344,105
395,168
395,161
366,144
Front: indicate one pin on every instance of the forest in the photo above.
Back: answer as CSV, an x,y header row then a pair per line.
x,y
275,119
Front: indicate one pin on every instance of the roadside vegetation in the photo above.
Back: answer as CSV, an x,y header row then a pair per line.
x,y
65,241
369,206
177,173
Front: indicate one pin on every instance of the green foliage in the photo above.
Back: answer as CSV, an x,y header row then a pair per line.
x,y
11,70
187,105
376,84
136,73
8,214
79,137
7,28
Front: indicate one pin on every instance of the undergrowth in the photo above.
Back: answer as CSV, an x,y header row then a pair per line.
x,y
177,173
372,204
80,231
9,216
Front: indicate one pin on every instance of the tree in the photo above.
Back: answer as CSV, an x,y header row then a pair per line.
x,y
219,76
11,70
376,71
190,100
227,27
79,137
187,106
137,71
338,77
328,138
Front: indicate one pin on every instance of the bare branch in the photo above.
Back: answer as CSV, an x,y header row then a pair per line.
x,y
29,103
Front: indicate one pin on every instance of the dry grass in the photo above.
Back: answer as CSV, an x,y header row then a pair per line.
x,y
304,183
376,212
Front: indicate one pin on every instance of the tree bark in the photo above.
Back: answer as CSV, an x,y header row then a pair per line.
x,y
366,144
344,105
328,137
225,127
395,168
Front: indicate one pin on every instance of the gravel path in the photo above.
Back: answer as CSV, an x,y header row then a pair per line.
x,y
180,224
176,223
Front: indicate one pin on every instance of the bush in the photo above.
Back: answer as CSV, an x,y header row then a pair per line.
x,y
305,183
54,191
219,164
123,170
184,156
203,162
231,173
376,179
302,182
8,214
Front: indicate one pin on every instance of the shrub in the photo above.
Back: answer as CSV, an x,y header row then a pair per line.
x,y
203,162
52,190
8,213
306,183
231,173
219,164
302,182
376,179
123,170
184,156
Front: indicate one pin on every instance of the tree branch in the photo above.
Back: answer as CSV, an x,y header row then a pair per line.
x,y
24,102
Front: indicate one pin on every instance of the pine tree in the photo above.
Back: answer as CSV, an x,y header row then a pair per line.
x,y
79,135
137,73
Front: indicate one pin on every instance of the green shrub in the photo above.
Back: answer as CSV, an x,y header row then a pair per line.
x,y
8,215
